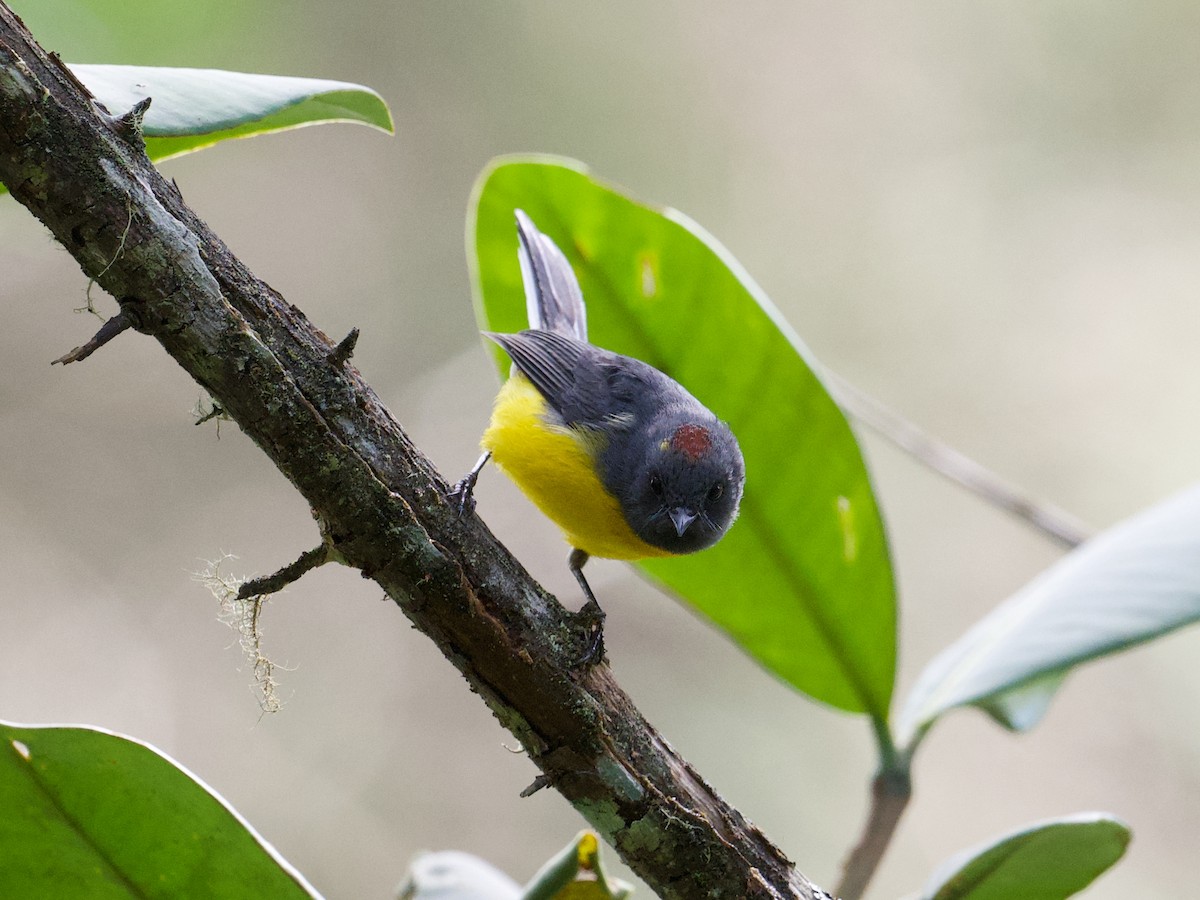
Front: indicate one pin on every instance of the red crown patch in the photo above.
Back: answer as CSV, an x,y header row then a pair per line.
x,y
693,441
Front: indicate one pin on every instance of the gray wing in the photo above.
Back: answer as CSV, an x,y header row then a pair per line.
x,y
588,387
553,300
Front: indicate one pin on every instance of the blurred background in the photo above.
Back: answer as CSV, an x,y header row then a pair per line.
x,y
987,215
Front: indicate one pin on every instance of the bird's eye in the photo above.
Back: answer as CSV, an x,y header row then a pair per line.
x,y
716,491
656,485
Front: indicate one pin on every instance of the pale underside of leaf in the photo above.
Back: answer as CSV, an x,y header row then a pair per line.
x,y
1136,581
191,109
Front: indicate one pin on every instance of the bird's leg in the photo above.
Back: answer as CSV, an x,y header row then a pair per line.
x,y
575,563
461,493
590,615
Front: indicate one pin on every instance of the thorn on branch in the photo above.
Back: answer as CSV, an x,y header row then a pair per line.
x,y
341,354
273,584
217,412
538,783
107,332
129,125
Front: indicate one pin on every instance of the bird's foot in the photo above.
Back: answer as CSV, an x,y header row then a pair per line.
x,y
589,623
462,494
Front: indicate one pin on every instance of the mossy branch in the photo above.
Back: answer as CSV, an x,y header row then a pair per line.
x,y
381,505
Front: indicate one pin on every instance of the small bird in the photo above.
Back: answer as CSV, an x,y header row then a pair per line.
x,y
619,455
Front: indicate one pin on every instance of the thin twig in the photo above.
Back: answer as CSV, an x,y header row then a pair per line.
x,y
293,571
1056,523
217,412
538,783
109,330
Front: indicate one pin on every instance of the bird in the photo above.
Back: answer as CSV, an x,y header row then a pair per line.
x,y
619,455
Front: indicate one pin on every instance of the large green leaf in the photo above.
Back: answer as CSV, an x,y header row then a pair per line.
x,y
195,108
1047,861
1134,582
88,813
803,580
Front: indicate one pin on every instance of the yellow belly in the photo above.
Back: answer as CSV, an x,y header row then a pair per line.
x,y
552,465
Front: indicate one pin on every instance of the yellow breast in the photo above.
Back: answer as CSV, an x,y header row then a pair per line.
x,y
553,465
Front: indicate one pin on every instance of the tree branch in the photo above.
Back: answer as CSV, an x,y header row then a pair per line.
x,y
381,506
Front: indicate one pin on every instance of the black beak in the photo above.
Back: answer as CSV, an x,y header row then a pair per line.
x,y
682,517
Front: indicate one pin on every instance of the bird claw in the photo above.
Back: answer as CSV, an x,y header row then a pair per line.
x,y
590,623
462,495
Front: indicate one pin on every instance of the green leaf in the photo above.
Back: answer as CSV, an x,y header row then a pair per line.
x,y
1136,581
89,813
803,580
195,108
1046,861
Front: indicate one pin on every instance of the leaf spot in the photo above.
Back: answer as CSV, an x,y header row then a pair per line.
x,y
845,514
649,279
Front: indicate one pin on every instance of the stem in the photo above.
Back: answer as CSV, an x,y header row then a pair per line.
x,y
890,792
1056,523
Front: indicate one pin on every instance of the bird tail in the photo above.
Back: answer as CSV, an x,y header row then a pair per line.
x,y
553,299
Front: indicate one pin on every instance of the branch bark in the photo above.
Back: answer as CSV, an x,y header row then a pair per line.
x,y
380,505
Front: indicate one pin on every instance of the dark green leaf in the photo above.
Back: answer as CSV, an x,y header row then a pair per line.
x,y
1046,861
1136,581
803,581
88,813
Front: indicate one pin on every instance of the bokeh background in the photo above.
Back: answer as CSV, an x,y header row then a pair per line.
x,y
986,214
